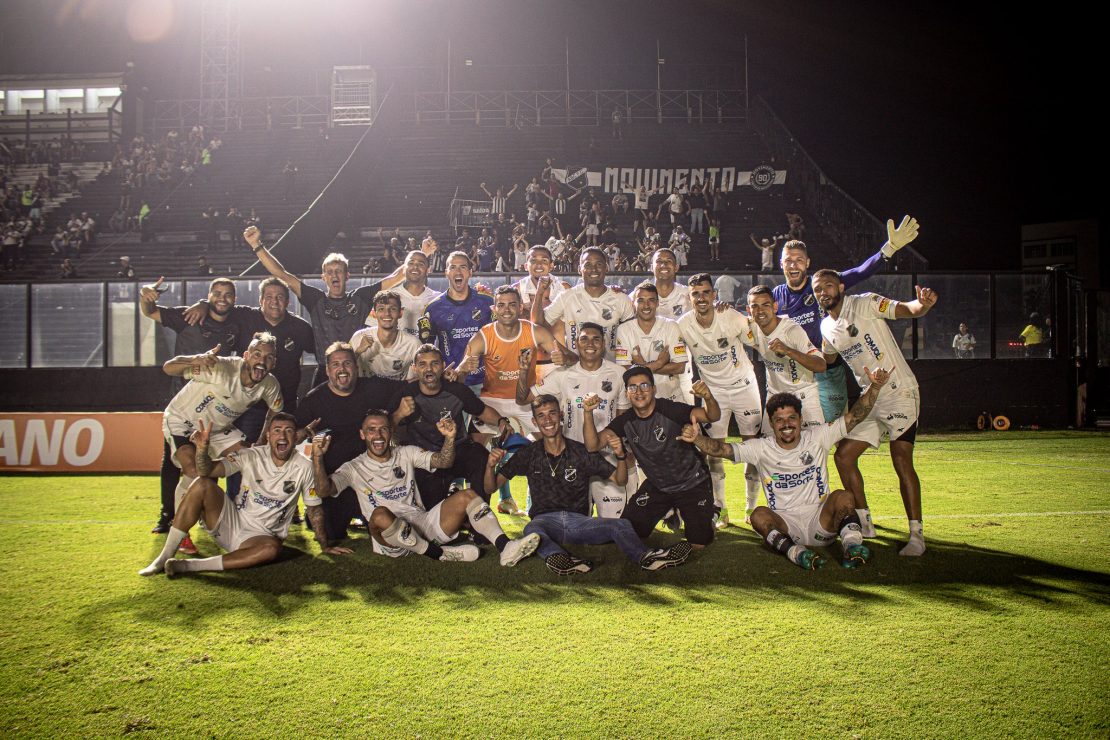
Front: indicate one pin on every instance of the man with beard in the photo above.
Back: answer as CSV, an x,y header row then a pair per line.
x,y
252,526
337,313
854,329
674,299
592,301
795,299
414,293
801,512
653,342
339,405
454,317
391,501
219,390
384,350
561,501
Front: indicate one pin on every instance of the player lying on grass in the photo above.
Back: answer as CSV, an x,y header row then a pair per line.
x,y
793,465
384,480
558,472
252,526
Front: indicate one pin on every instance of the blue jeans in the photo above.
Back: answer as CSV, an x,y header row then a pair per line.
x,y
557,528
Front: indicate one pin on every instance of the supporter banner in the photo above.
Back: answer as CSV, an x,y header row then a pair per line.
x,y
574,176
81,443
726,178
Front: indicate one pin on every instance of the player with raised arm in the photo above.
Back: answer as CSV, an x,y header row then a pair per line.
x,y
855,329
558,471
414,293
677,476
592,301
539,264
457,315
384,480
654,342
252,526
795,299
715,343
801,511
383,349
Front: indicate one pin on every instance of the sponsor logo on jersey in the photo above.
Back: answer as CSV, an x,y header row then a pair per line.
x,y
883,304
265,501
204,404
570,475
871,345
288,486
891,417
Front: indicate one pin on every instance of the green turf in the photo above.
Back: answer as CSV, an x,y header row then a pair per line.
x,y
1000,630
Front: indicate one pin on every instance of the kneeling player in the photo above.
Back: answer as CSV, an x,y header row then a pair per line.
x,y
384,481
559,471
251,528
801,512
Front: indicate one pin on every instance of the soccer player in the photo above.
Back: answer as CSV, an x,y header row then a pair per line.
x,y
454,317
422,403
674,298
795,299
789,358
385,482
558,471
677,475
414,293
592,375
593,302
539,264
384,349
853,329
715,343
251,527
654,342
336,314
339,405
801,512
219,390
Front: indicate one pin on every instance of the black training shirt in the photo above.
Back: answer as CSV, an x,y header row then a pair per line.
x,y
561,482
452,400
343,415
671,465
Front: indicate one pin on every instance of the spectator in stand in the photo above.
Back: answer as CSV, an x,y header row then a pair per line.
x,y
766,248
676,207
680,245
532,216
619,203
69,270
499,200
696,203
209,219
483,256
617,120
117,223
613,255
963,344
372,267
125,270
797,226
289,176
532,192
59,243
715,240
10,248
203,268
1033,337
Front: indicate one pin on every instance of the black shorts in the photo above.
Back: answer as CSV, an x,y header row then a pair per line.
x,y
338,513
649,505
470,463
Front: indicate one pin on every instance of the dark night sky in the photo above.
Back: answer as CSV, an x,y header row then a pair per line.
x,y
967,118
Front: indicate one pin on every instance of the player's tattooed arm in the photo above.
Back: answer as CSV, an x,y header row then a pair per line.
x,y
708,445
206,467
523,392
315,516
324,486
445,458
178,365
861,408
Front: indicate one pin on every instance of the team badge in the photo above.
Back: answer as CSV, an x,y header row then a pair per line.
x,y
606,314
678,310
570,475
807,458
398,473
659,433
398,364
808,300
852,330
352,309
476,314
289,344
762,177
607,386
231,338
288,486
722,342
657,345
642,499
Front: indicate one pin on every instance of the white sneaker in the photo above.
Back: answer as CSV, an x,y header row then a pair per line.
x,y
465,553
913,548
517,550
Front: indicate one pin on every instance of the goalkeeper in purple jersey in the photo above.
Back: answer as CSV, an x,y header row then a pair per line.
x,y
795,299
454,317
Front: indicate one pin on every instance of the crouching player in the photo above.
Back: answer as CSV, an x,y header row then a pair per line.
x,y
384,481
252,526
559,471
801,512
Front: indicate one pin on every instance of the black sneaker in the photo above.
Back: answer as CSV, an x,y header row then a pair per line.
x,y
566,565
162,527
660,558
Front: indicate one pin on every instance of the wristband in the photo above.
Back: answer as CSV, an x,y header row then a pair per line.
x,y
621,457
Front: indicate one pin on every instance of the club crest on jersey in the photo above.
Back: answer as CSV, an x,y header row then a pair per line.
x,y
398,473
288,486
398,364
808,300
606,314
444,414
659,433
642,499
852,330
570,475
607,386
677,310
722,342
352,309
289,344
476,314
231,338
657,345
807,458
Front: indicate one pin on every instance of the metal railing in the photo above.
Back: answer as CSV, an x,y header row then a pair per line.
x,y
246,114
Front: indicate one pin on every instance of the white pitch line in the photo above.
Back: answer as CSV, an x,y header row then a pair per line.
x,y
1027,464
1007,515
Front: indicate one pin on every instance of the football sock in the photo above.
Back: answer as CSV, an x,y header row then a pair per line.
x,y
717,477
186,566
751,487
865,523
484,522
917,529
401,534
794,554
505,492
179,492
779,542
173,539
850,532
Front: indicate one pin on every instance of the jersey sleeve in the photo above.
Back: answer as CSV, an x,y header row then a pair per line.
x,y
310,295
827,348
676,347
224,368
677,412
172,318
625,310
471,403
875,306
232,463
271,394
745,452
622,355
597,465
859,273
833,432
551,384
617,425
557,308
343,478
518,464
797,339
419,458
368,292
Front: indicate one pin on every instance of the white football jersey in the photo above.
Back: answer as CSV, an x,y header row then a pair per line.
x,y
719,349
864,341
393,362
797,477
385,483
676,304
527,288
784,375
575,307
664,334
218,396
412,308
571,384
267,498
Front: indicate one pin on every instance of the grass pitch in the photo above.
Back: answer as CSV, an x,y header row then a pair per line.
x,y
1001,629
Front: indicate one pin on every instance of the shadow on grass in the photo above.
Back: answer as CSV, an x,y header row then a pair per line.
x,y
734,572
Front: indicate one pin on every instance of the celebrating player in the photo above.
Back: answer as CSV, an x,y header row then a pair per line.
x,y
654,342
855,330
384,480
383,349
801,512
454,317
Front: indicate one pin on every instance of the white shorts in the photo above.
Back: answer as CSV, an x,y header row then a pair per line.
x,y
670,388
608,498
424,522
510,409
812,415
742,401
803,524
892,415
218,442
233,529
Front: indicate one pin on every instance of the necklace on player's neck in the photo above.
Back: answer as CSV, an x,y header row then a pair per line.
x,y
558,461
